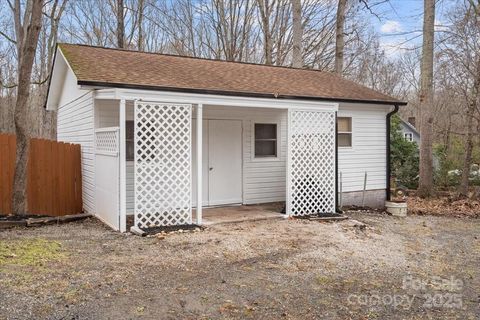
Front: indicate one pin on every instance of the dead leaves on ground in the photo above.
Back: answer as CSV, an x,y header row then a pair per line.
x,y
444,206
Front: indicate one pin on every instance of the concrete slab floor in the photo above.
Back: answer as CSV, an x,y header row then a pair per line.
x,y
240,213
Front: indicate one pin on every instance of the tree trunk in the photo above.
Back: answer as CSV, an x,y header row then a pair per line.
x,y
472,108
446,151
264,8
141,7
27,54
297,30
339,37
120,25
467,160
425,185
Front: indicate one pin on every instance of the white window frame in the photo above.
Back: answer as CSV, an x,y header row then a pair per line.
x,y
252,148
351,132
409,135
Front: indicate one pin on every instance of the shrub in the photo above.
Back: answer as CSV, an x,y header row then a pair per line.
x,y
404,157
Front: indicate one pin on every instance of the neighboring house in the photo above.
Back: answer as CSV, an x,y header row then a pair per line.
x,y
409,131
411,134
159,131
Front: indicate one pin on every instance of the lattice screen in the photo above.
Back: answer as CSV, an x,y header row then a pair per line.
x,y
106,140
311,165
162,164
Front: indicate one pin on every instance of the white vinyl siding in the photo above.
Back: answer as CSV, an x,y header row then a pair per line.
x,y
75,125
368,151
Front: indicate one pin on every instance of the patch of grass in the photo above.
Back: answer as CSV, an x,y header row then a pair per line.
x,y
29,252
72,296
322,280
140,310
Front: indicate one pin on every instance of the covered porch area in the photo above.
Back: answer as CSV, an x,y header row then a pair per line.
x,y
242,213
234,214
240,156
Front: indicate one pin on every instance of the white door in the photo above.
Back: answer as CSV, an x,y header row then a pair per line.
x,y
224,162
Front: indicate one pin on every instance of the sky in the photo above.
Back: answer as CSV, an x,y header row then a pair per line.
x,y
400,23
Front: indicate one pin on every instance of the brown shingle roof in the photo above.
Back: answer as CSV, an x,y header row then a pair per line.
x,y
114,67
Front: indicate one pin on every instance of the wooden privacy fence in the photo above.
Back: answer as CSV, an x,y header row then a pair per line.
x,y
54,182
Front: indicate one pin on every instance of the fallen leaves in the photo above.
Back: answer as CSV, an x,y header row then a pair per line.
x,y
444,206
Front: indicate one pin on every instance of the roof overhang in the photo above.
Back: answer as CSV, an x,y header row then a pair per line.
x,y
98,84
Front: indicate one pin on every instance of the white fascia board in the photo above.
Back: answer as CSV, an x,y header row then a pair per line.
x,y
57,82
103,94
210,99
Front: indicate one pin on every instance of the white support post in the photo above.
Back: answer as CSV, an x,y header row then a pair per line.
x,y
287,173
199,162
123,168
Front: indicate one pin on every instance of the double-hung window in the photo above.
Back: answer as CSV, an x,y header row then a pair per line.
x,y
344,125
265,140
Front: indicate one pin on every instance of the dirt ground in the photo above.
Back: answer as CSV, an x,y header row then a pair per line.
x,y
419,267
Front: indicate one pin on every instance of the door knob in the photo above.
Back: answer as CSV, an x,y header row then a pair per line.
x,y
211,168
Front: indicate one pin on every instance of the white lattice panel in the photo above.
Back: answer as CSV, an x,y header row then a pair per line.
x,y
311,162
162,164
106,140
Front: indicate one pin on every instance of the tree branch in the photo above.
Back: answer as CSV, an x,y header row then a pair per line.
x,y
14,85
7,37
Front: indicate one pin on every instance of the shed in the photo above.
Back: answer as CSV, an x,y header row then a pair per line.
x,y
162,133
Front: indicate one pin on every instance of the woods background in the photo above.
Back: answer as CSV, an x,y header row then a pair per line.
x,y
330,35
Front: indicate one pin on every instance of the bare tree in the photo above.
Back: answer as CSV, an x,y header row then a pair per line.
x,y
265,8
120,25
425,185
140,13
27,30
462,46
45,126
339,35
231,22
274,21
297,34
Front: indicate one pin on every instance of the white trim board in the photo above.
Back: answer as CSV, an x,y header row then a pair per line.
x,y
210,99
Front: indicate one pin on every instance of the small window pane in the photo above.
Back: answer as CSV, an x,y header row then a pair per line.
x,y
265,131
129,130
129,135
344,139
130,150
344,124
265,148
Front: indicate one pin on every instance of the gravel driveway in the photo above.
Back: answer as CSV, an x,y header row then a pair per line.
x,y
420,267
